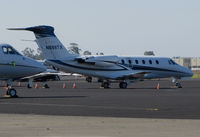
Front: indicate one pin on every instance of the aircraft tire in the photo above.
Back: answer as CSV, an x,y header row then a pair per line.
x,y
28,86
178,85
46,86
89,79
123,85
105,84
12,92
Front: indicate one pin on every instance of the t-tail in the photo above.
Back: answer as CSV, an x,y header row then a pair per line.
x,y
50,45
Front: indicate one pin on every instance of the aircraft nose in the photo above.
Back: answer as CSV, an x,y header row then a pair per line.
x,y
190,73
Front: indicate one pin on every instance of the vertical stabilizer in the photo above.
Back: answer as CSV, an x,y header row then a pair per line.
x,y
50,45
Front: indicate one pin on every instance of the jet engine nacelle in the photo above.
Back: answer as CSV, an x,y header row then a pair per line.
x,y
109,59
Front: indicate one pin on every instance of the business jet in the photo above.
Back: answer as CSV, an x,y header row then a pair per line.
x,y
123,69
14,66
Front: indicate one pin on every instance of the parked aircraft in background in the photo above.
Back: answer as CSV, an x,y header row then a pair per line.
x,y
14,66
105,67
45,76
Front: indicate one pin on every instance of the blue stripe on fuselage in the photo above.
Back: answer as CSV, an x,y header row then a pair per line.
x,y
138,67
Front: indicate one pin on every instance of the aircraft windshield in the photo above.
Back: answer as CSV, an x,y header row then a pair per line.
x,y
9,50
174,63
5,50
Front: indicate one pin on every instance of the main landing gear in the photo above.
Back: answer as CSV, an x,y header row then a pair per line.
x,y
105,84
123,85
89,79
45,85
30,83
11,92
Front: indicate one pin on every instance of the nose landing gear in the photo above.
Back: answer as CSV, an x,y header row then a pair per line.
x,y
178,85
11,92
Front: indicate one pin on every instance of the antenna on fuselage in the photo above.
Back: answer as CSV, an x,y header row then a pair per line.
x,y
28,40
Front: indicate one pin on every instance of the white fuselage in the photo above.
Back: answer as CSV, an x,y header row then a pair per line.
x,y
109,69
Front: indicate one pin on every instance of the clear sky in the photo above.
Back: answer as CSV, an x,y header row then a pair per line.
x,y
122,27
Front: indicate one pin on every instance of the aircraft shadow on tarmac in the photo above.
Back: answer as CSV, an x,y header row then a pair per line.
x,y
137,88
48,97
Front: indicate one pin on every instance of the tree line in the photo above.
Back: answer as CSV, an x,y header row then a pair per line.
x,y
74,49
37,54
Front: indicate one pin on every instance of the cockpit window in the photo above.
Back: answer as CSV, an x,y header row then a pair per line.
x,y
9,50
174,63
5,50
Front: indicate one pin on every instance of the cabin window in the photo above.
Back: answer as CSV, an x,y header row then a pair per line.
x,y
5,50
123,61
136,61
157,62
150,61
143,61
129,61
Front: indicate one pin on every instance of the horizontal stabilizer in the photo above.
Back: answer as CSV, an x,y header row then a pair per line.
x,y
39,31
16,28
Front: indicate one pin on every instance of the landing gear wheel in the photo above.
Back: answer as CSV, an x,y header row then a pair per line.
x,y
100,80
45,86
123,85
178,85
105,85
89,79
28,86
12,93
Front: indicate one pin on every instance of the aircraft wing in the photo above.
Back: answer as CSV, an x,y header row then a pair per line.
x,y
47,73
132,75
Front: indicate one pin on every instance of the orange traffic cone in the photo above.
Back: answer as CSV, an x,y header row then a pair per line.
x,y
158,86
74,85
19,84
36,85
5,87
64,85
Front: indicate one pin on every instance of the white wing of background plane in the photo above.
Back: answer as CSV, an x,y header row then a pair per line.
x,y
132,75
